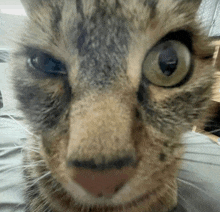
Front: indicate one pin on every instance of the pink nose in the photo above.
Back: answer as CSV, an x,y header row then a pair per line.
x,y
103,183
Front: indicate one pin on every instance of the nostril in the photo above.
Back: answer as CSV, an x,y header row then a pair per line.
x,y
104,165
99,195
83,164
119,186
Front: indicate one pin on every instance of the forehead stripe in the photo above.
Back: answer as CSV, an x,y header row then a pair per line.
x,y
79,7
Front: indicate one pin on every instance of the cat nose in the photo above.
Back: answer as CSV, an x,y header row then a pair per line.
x,y
104,179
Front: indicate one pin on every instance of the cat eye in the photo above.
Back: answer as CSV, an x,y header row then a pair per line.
x,y
167,64
47,64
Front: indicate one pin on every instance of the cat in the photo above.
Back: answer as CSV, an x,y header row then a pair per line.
x,y
108,87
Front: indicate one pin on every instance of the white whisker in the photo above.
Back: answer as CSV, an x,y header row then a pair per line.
x,y
32,150
183,199
12,148
24,128
201,153
196,161
40,178
214,131
190,184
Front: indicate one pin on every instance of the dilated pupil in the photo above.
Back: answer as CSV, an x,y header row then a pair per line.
x,y
46,63
168,61
51,65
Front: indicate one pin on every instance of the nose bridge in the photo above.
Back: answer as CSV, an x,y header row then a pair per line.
x,y
100,129
102,48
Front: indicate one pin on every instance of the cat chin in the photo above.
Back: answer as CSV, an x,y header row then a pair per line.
x,y
85,198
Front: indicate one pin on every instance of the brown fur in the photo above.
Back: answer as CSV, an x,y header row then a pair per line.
x,y
94,113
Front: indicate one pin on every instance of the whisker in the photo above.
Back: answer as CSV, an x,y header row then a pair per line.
x,y
33,165
20,206
190,184
183,199
28,165
17,122
197,134
43,206
31,147
196,161
32,150
11,148
199,153
58,189
184,170
22,167
214,131
207,143
40,178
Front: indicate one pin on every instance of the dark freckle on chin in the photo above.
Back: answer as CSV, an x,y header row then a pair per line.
x,y
162,157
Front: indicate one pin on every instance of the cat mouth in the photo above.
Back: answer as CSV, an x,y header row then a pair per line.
x,y
135,202
125,206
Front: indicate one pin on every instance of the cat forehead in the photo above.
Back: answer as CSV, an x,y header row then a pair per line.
x,y
89,7
60,17
104,32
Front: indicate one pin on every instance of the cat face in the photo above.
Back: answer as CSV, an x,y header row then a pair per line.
x,y
109,87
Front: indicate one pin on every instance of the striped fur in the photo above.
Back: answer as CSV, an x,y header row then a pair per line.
x,y
104,107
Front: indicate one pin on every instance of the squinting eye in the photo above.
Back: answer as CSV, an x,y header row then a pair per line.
x,y
47,64
167,64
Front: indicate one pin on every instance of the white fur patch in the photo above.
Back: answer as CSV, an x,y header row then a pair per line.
x,y
85,198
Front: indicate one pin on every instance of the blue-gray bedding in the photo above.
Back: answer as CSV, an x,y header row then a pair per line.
x,y
11,140
12,137
199,177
